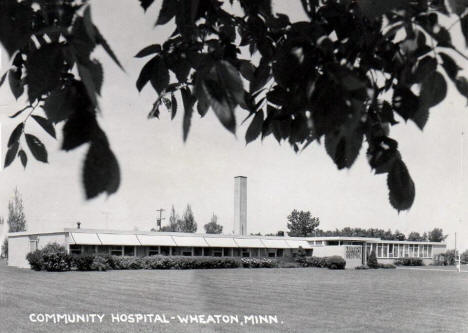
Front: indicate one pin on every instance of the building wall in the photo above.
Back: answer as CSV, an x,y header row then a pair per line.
x,y
51,238
18,248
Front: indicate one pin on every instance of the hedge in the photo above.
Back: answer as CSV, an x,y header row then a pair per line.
x,y
409,262
333,262
46,260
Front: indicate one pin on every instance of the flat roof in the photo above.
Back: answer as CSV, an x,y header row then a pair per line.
x,y
153,237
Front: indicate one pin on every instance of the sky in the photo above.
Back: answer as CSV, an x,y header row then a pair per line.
x,y
159,170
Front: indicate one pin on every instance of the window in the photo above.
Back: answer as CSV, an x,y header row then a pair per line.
x,y
390,250
254,252
116,250
197,251
379,250
279,252
308,252
165,250
332,243
245,253
385,250
405,250
429,253
102,249
271,254
89,249
74,249
153,251
176,251
129,251
217,252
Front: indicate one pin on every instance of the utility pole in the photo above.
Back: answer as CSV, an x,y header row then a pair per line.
x,y
159,220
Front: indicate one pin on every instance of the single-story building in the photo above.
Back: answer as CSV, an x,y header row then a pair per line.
x,y
354,250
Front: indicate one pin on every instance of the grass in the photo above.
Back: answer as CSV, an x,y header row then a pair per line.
x,y
305,299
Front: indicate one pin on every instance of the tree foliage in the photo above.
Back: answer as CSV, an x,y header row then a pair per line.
x,y
213,227
187,223
437,235
343,77
16,217
372,260
301,224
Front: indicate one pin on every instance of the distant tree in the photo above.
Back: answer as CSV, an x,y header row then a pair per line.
x,y
302,223
174,222
399,236
415,236
187,223
280,233
4,249
437,235
372,260
213,227
464,257
256,234
425,237
16,218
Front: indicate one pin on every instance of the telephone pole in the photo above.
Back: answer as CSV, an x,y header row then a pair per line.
x,y
159,220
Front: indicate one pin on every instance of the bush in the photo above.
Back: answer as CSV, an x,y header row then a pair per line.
x,y
408,262
258,263
100,263
4,253
52,257
386,266
35,260
56,262
336,262
362,267
372,260
83,262
315,262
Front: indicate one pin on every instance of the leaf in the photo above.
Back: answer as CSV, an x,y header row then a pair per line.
x,y
188,101
426,66
37,148
15,24
462,85
45,124
151,49
450,66
458,6
405,102
11,154
167,12
344,146
146,73
23,157
97,74
60,104
433,90
78,129
173,106
255,128
15,135
101,41
160,76
247,70
145,4
464,27
2,79
421,117
372,9
401,186
16,86
88,82
101,172
44,70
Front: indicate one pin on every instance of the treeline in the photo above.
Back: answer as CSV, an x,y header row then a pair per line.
x,y
435,235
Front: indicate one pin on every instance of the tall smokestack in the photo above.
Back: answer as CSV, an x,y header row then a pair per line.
x,y
240,205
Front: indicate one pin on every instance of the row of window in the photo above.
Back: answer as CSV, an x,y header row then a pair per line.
x,y
401,250
178,251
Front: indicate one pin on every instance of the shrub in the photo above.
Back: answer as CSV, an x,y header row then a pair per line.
x,y
100,263
4,253
52,257
336,262
372,260
35,260
56,262
386,266
83,262
409,262
258,263
315,262
362,267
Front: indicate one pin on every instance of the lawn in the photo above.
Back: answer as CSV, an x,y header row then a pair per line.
x,y
304,299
